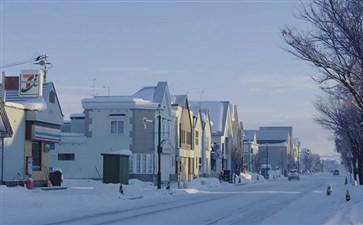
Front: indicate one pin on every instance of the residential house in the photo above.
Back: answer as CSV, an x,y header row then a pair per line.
x,y
35,116
138,123
222,133
188,165
237,153
202,134
250,158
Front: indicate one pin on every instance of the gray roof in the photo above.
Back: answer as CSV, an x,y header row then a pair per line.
x,y
273,134
178,99
153,93
13,95
217,113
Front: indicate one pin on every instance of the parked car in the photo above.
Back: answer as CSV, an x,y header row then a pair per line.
x,y
293,175
336,172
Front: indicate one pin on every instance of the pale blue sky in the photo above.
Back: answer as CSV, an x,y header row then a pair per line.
x,y
229,50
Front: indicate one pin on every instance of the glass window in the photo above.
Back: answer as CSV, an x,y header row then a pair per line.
x,y
52,97
117,127
143,164
37,156
138,163
131,168
66,156
196,138
149,164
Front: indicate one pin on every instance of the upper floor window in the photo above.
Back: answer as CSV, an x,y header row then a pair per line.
x,y
52,97
196,138
117,127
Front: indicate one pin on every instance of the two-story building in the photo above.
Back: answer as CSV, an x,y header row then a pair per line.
x,y
112,123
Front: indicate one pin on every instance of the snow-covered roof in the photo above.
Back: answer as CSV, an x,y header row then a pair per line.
x,y
146,93
73,138
178,99
13,99
217,112
38,104
77,115
113,102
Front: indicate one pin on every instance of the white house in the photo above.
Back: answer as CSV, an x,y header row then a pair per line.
x,y
222,133
111,123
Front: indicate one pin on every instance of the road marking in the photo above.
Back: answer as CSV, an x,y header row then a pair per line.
x,y
317,192
252,192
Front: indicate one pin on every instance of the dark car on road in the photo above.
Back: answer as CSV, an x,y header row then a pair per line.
x,y
336,172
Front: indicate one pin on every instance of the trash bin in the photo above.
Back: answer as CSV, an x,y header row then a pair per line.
x,y
56,177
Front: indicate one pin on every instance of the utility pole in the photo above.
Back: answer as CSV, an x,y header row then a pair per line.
x,y
159,152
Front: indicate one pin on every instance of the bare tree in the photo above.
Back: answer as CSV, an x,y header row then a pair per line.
x,y
333,44
343,119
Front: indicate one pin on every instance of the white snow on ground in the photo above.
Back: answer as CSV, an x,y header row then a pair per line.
x,y
22,206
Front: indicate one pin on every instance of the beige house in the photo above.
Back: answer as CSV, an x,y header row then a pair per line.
x,y
186,156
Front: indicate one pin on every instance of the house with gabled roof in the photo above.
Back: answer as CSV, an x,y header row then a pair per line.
x,y
112,123
187,165
35,116
202,135
222,133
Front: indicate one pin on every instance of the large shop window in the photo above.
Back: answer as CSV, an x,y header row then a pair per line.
x,y
37,156
117,127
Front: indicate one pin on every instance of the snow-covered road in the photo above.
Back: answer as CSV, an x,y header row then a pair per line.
x,y
205,202
271,202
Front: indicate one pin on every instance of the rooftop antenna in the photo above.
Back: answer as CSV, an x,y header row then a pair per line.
x,y
201,98
93,86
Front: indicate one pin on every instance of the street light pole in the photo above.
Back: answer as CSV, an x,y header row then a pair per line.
x,y
159,152
267,175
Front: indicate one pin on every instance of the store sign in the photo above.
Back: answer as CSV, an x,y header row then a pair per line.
x,y
31,83
46,134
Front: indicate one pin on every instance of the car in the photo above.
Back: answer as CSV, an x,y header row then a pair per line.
x,y
336,172
293,175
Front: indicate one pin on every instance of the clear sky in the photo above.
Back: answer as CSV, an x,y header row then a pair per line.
x,y
210,50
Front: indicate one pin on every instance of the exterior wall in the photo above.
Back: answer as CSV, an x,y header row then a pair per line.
x,y
78,125
144,132
207,139
277,155
80,167
51,115
14,156
197,144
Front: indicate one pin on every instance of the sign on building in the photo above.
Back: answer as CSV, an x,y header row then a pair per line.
x,y
31,83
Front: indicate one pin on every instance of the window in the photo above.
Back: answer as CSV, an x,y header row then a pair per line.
x,y
196,138
138,163
131,168
117,127
37,156
144,163
52,97
150,164
66,156
188,138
